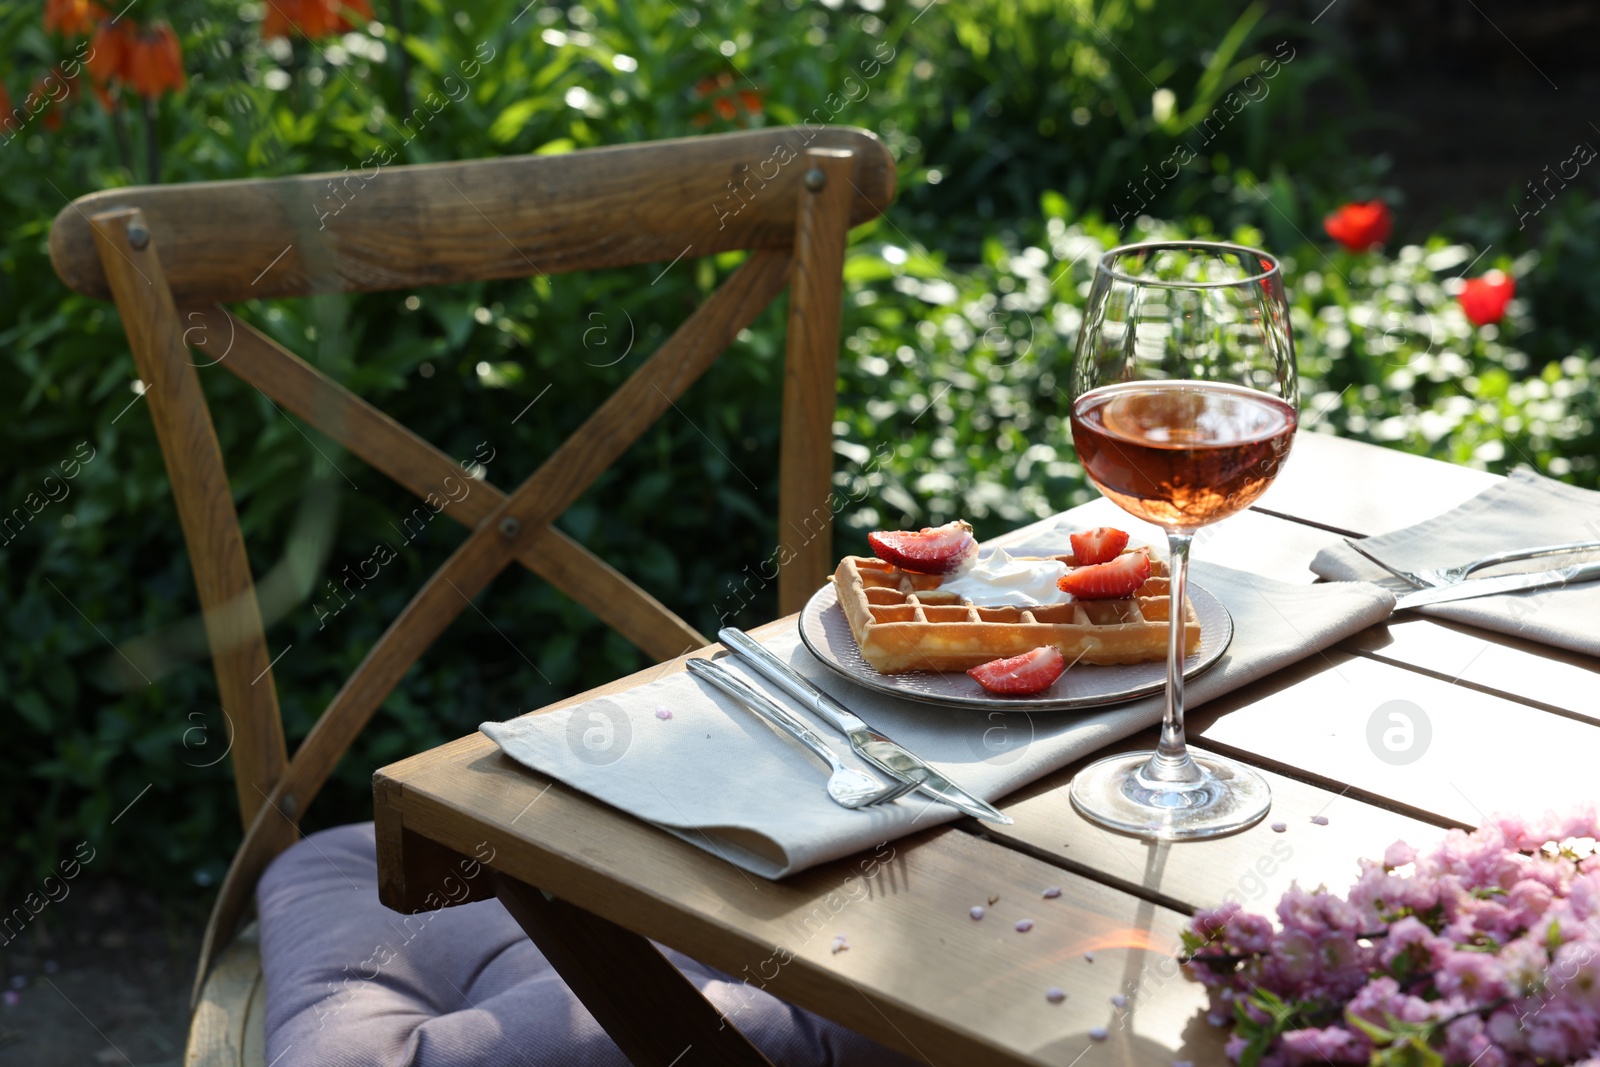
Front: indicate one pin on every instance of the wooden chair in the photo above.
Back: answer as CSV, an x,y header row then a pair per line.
x,y
170,256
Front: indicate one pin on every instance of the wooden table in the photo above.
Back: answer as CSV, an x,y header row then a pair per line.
x,y
922,977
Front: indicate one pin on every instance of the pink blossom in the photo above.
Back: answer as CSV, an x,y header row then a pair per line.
x,y
1372,895
1523,964
1317,912
1377,1000
1334,1045
1584,894
1409,935
1475,975
1209,923
1561,1032
1505,1029
1579,822
1380,1002
1528,900
1398,855
1462,1038
1292,964
1511,828
1575,971
1485,945
1250,932
1207,975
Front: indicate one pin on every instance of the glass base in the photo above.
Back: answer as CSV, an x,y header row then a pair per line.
x,y
1117,793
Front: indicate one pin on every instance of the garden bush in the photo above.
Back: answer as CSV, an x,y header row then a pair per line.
x,y
1016,127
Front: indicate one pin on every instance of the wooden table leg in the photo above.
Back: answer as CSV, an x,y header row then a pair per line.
x,y
654,1014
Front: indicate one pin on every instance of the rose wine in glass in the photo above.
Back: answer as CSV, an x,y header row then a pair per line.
x,y
1184,405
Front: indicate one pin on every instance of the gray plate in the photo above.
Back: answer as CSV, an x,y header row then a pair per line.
x,y
826,632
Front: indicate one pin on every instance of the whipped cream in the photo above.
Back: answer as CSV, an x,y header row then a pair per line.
x,y
999,580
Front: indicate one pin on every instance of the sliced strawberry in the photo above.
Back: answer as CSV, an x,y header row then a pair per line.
x,y
1107,581
1100,545
1031,672
933,550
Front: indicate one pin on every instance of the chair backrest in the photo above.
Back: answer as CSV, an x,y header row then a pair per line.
x,y
170,255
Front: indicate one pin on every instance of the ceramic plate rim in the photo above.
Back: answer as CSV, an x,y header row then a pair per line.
x,y
1205,603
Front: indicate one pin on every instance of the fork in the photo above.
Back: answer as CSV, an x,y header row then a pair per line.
x,y
848,787
1424,579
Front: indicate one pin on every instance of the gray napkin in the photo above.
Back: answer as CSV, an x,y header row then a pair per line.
x,y
678,753
1523,511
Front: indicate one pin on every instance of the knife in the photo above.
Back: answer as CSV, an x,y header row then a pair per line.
x,y
1508,583
868,743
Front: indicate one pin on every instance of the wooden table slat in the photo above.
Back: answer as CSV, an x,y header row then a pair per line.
x,y
1362,489
1555,678
1484,753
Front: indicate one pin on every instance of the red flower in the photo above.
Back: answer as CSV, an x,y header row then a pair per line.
x,y
71,17
725,102
1360,226
313,18
1484,299
711,84
110,51
155,64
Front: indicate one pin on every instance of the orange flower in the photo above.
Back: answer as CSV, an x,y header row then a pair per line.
x,y
1360,226
711,83
71,17
110,50
726,103
362,8
280,17
313,18
1484,299
156,64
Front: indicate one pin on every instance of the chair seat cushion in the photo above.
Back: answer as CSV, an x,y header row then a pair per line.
x,y
350,983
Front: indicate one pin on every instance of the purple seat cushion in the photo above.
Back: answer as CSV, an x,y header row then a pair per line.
x,y
350,983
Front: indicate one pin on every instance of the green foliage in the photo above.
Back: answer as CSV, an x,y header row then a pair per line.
x,y
961,311
1127,104
1397,362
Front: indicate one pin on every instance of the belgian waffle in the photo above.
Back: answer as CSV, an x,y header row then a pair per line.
x,y
904,623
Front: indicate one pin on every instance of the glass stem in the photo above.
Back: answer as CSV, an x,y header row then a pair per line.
x,y
1171,762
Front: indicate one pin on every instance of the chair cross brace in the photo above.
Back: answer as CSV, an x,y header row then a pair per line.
x,y
413,463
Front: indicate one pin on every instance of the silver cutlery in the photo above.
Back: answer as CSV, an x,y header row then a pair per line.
x,y
874,747
1443,576
848,787
1509,583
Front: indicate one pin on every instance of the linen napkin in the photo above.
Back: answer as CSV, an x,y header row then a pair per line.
x,y
1523,511
680,754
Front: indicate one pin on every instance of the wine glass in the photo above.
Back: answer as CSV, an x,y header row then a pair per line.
x,y
1184,404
